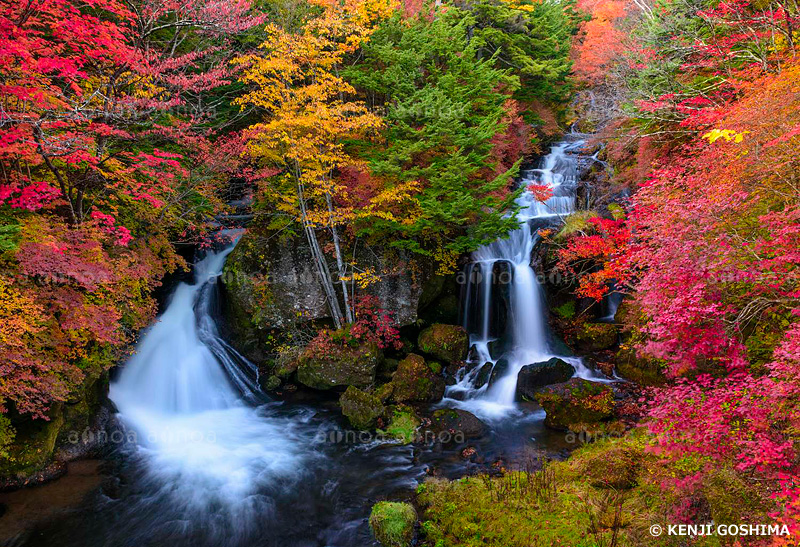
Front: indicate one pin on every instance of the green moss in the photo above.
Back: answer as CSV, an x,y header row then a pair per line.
x,y
415,381
576,222
392,523
449,343
33,446
732,499
595,336
557,506
566,310
339,366
403,424
362,409
576,403
435,367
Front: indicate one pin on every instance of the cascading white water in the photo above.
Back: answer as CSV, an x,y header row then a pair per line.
x,y
528,332
182,394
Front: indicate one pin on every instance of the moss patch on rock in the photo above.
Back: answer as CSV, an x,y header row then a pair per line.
x,y
415,381
449,343
576,402
595,336
392,523
339,366
361,409
403,424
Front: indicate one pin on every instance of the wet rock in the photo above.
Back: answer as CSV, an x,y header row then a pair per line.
x,y
576,402
456,421
595,336
340,366
483,375
387,368
538,375
361,409
499,370
449,343
415,381
271,383
393,523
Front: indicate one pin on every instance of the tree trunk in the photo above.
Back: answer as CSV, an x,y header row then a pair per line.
x,y
322,265
339,262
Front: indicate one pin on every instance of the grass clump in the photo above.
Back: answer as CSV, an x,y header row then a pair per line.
x,y
392,523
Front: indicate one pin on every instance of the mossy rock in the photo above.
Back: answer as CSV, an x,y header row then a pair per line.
x,y
403,424
287,362
595,336
392,523
617,466
415,381
32,448
387,368
361,409
576,402
449,343
339,366
384,392
271,383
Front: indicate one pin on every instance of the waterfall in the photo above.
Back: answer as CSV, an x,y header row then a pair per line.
x,y
527,330
183,395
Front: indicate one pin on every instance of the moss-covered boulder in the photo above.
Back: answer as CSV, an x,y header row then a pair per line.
x,y
577,402
538,375
595,336
339,365
449,343
362,409
392,523
414,381
403,424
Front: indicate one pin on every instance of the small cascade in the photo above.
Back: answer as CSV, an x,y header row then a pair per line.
x,y
525,335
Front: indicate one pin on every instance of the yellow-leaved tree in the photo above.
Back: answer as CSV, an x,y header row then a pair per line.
x,y
308,115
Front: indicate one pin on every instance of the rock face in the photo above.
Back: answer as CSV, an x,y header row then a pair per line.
x,y
455,421
392,523
340,366
414,381
271,283
449,343
576,403
595,336
361,408
538,375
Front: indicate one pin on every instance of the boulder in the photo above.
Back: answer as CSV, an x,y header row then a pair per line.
x,y
270,383
454,421
361,409
415,381
393,523
449,343
640,369
538,375
572,404
595,336
339,366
